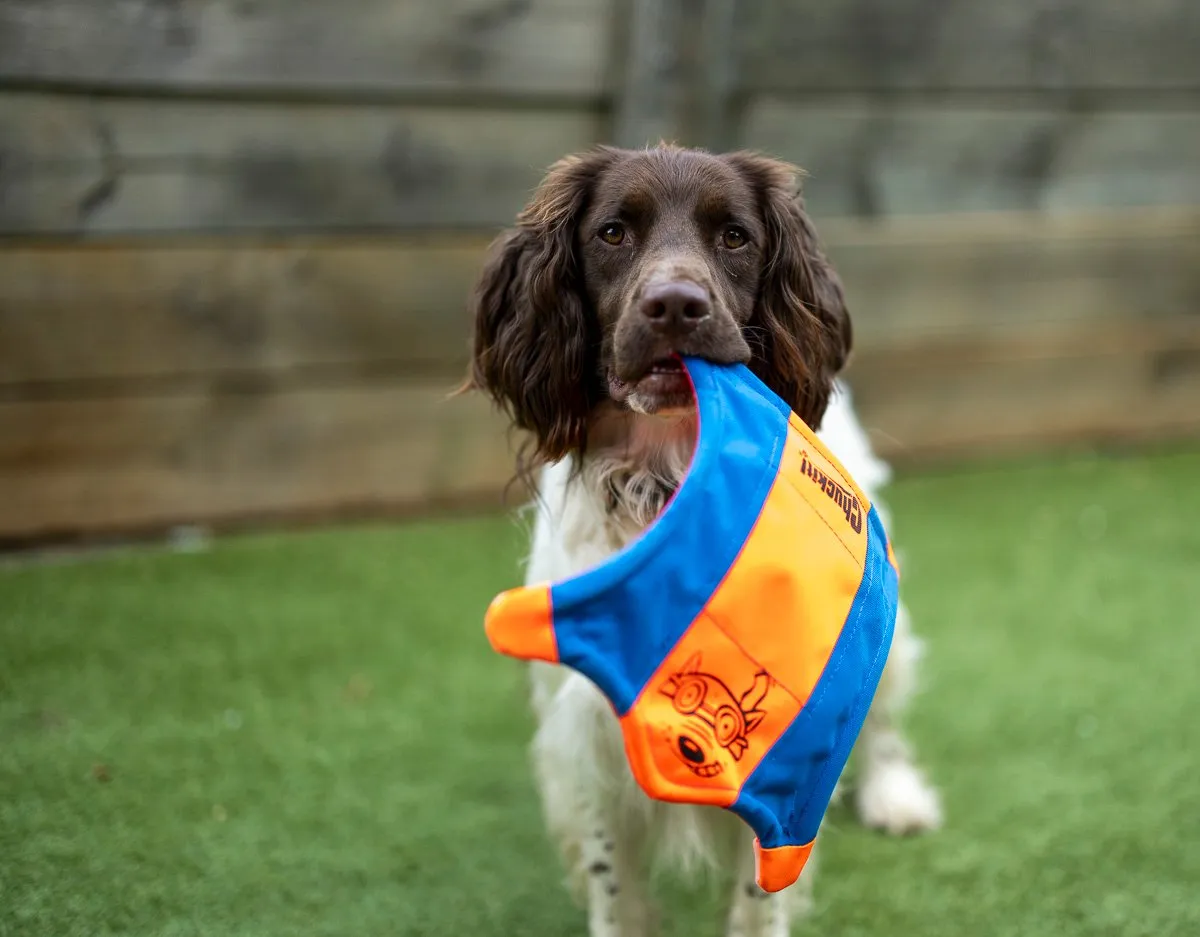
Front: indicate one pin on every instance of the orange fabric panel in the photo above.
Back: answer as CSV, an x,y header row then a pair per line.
x,y
826,475
694,737
793,570
776,869
520,623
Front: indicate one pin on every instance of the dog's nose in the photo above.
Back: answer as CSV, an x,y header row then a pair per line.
x,y
676,306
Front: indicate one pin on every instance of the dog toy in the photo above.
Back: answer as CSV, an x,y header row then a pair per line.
x,y
741,638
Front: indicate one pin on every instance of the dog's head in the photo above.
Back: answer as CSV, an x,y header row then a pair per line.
x,y
624,259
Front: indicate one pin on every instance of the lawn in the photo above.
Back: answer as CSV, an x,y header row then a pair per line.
x,y
307,734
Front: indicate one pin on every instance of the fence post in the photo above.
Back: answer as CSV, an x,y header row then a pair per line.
x,y
678,73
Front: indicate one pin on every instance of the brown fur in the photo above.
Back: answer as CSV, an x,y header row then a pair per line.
x,y
555,309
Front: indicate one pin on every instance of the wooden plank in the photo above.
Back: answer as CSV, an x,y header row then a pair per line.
x,y
999,274
677,73
313,46
271,380
75,467
872,158
1003,333
191,313
149,311
652,85
1115,45
972,45
118,464
76,166
929,401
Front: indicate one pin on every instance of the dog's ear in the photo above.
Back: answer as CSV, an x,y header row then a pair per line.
x,y
800,330
534,344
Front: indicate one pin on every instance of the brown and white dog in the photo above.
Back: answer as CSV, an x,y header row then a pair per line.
x,y
622,260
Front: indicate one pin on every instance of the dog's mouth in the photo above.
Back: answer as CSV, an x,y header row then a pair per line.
x,y
663,387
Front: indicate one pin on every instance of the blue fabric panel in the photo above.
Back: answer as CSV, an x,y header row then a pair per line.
x,y
601,616
786,797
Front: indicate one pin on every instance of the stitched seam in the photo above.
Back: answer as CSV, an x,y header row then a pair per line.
x,y
706,611
824,521
851,629
766,481
815,441
750,657
858,701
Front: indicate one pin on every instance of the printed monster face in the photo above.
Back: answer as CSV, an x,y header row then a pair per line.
x,y
713,725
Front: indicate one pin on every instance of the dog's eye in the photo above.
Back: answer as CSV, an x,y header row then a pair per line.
x,y
734,237
612,233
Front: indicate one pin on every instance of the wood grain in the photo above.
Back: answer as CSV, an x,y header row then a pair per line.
x,y
1119,384
875,158
972,45
556,47
677,73
180,312
995,274
106,465
136,463
143,385
78,166
198,312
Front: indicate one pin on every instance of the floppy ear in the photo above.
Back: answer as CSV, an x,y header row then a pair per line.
x,y
800,331
533,342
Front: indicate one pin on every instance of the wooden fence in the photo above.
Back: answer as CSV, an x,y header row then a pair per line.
x,y
238,234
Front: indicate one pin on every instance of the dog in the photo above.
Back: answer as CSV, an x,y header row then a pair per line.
x,y
622,261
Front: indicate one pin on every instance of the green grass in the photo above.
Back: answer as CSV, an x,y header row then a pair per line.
x,y
308,734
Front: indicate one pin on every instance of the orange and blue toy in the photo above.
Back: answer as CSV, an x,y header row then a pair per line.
x,y
741,638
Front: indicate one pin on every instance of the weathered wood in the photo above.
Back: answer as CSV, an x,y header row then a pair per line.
x,y
996,274
677,73
149,311
651,87
972,45
878,158
151,385
1121,383
543,47
194,313
1001,333
85,166
1115,45
117,464
134,463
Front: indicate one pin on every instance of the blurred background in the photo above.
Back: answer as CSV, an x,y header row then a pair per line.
x,y
236,241
238,234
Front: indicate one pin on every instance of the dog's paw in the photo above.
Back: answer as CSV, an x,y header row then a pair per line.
x,y
894,797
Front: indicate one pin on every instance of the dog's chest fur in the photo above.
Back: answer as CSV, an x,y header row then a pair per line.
x,y
634,469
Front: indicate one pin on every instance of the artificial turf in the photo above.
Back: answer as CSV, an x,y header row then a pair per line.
x,y
307,733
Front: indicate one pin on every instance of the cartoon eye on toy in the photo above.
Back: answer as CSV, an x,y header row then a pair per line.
x,y
690,695
728,725
690,750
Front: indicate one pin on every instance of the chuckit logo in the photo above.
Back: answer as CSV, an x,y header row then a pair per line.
x,y
845,500
715,722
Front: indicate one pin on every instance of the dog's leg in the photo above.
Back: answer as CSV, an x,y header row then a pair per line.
x,y
580,769
893,795
616,903
756,913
